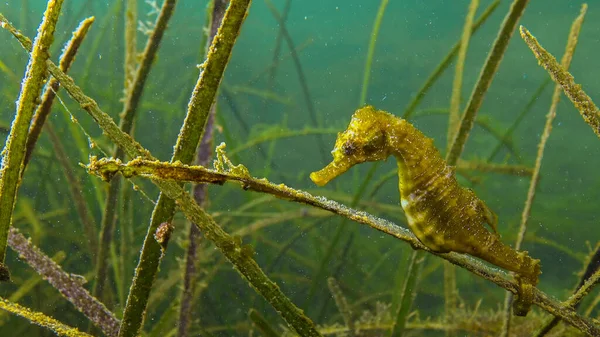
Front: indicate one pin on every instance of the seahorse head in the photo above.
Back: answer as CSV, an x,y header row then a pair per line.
x,y
363,140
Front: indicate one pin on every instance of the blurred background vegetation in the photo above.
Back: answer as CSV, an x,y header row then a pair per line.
x,y
264,117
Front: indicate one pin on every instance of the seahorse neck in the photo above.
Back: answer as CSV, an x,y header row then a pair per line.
x,y
415,154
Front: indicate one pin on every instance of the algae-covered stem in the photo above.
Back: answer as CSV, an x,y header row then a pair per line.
x,y
43,110
130,44
68,286
582,102
14,150
200,191
203,95
565,63
166,171
230,248
454,114
199,106
133,97
39,121
40,319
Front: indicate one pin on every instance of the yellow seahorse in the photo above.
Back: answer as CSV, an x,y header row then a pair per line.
x,y
443,215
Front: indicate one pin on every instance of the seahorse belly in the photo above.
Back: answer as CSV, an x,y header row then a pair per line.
x,y
423,224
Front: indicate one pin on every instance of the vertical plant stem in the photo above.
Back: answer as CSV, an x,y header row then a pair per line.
x,y
454,114
342,305
202,98
485,79
126,214
76,189
200,191
408,292
301,76
14,150
44,109
565,63
24,15
277,51
441,67
130,44
38,122
450,290
262,324
371,52
134,95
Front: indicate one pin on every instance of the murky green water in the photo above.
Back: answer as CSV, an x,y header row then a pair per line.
x,y
278,114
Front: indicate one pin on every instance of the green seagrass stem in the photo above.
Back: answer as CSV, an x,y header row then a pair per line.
x,y
14,150
454,113
441,67
203,96
371,52
485,79
40,319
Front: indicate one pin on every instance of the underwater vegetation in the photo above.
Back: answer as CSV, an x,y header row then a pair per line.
x,y
121,216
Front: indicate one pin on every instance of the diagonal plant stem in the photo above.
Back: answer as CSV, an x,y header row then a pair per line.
x,y
134,94
40,319
200,191
485,79
70,287
130,44
582,102
157,170
14,150
342,305
231,248
301,76
203,96
454,114
371,52
441,67
526,109
408,292
450,288
43,110
565,63
39,121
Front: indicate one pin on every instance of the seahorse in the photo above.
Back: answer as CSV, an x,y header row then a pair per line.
x,y
442,214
